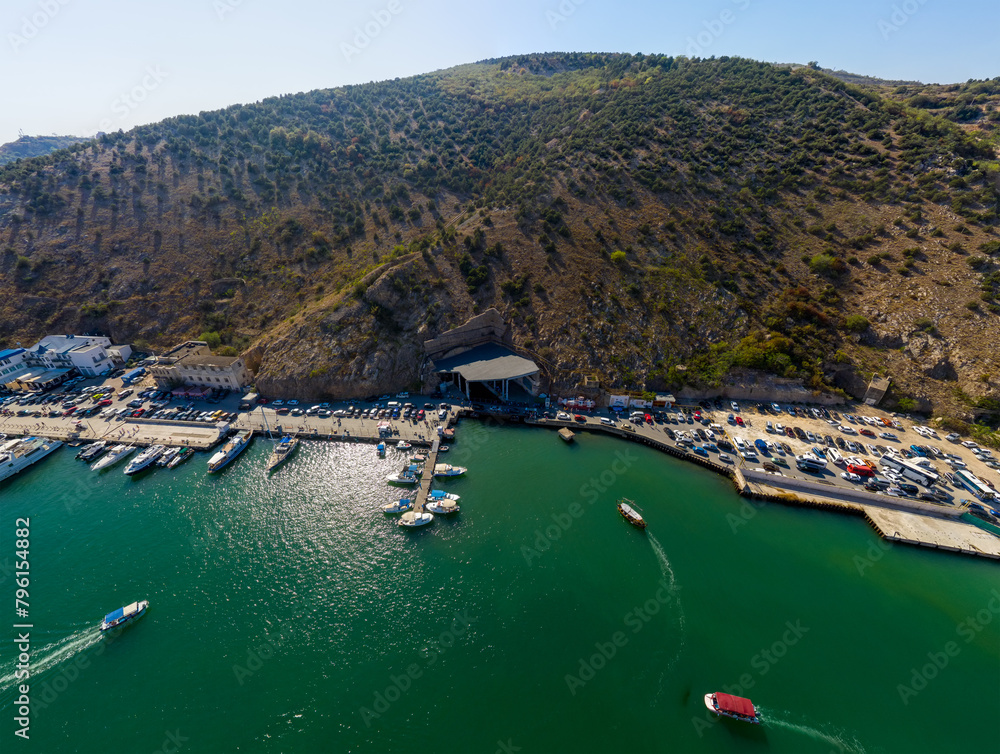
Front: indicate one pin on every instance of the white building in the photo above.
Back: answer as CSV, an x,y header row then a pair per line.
x,y
87,353
11,363
192,363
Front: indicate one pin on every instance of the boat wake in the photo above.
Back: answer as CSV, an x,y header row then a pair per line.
x,y
671,580
840,741
51,655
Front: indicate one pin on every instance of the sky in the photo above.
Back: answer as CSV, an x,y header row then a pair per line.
x,y
80,66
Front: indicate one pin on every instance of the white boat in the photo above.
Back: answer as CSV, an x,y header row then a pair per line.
x,y
168,455
402,505
380,448
113,456
144,459
92,451
445,470
411,519
407,475
444,449
442,495
442,506
403,445
16,455
180,458
282,451
230,450
123,615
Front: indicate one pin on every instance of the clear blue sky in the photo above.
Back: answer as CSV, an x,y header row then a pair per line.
x,y
76,66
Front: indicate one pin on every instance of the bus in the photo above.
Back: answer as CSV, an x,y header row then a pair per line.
x,y
130,377
909,470
975,485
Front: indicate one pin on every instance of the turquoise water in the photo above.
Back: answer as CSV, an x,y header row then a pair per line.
x,y
287,616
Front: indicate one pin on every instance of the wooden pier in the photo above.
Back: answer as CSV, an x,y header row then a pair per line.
x,y
427,478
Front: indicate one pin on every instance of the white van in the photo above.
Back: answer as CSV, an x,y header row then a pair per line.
x,y
392,404
607,422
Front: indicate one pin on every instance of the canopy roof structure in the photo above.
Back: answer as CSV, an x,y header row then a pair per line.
x,y
487,363
737,704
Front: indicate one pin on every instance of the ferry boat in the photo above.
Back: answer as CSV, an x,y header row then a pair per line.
x,y
412,519
180,458
630,514
402,505
16,455
407,475
144,459
229,451
442,505
735,707
113,456
123,615
92,450
282,451
168,455
445,470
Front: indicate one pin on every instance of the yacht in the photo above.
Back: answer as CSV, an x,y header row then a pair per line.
x,y
230,450
180,458
123,615
282,451
168,455
442,506
145,459
113,456
411,519
16,455
92,451
447,470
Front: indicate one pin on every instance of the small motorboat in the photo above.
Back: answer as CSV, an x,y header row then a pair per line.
x,y
123,615
445,470
380,448
444,449
418,458
407,475
412,519
402,505
442,495
630,514
403,445
735,707
443,506
181,457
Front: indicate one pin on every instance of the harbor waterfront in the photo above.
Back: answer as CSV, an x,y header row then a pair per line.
x,y
288,613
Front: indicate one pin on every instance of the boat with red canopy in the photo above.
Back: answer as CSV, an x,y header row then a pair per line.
x,y
735,707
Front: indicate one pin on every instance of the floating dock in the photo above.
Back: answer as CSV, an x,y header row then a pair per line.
x,y
566,435
427,478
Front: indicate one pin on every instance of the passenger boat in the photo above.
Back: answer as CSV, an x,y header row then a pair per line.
x,y
445,470
412,519
406,475
90,451
180,458
402,505
17,455
229,451
403,445
145,459
168,455
630,514
282,451
442,506
735,707
123,615
113,456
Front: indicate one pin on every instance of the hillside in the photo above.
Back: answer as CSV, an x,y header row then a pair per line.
x,y
628,214
34,146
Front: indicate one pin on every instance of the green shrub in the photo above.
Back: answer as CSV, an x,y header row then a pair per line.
x,y
856,323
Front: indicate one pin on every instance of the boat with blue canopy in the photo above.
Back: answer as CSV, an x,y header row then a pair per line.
x,y
123,615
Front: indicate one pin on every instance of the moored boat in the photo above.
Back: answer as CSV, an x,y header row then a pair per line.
x,y
91,451
444,449
403,445
168,455
230,450
180,458
282,451
402,505
412,519
442,495
380,448
113,456
407,475
445,470
123,615
443,506
735,707
145,459
630,514
16,455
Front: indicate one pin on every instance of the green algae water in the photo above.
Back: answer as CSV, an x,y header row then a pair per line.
x,y
287,615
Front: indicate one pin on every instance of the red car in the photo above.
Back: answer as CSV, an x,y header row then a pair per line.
x,y
283,410
104,402
867,432
579,417
138,412
420,415
69,411
739,420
